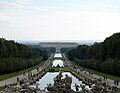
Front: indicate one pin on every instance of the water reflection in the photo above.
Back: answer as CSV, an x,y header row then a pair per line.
x,y
49,76
58,55
58,62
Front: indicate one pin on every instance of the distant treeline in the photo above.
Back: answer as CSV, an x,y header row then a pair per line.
x,y
48,49
65,50
104,56
15,56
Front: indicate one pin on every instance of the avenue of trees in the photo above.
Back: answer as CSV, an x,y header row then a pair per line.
x,y
15,56
65,50
104,56
48,49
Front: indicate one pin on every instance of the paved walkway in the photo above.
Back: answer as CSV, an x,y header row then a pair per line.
x,y
93,76
110,81
14,79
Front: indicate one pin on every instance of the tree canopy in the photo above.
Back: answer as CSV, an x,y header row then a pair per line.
x,y
104,56
15,56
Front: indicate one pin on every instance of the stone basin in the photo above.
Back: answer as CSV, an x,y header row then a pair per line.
x,y
49,76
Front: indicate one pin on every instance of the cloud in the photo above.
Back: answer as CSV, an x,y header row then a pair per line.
x,y
95,6
1,16
66,26
4,17
23,2
22,7
102,5
40,8
9,8
10,4
27,20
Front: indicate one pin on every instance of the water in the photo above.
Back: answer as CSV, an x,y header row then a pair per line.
x,y
49,76
58,55
58,62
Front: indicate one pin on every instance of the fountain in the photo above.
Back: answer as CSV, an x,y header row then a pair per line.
x,y
61,85
58,55
58,82
58,63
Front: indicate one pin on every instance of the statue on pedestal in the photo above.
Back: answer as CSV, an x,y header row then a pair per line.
x,y
61,85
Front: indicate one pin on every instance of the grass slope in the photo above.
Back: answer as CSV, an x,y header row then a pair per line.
x,y
98,73
9,75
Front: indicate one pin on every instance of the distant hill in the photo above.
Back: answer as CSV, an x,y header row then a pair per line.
x,y
104,56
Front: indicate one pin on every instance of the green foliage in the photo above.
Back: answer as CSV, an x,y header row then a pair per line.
x,y
45,56
48,49
104,56
65,50
14,64
12,74
15,56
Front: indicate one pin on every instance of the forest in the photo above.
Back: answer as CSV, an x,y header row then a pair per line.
x,y
15,56
104,56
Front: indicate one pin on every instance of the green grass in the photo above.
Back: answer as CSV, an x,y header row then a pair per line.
x,y
97,73
2,87
119,89
9,75
67,69
57,58
63,69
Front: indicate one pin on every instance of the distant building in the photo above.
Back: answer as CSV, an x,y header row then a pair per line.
x,y
58,45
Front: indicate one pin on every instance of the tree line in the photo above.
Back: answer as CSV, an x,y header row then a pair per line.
x,y
15,56
48,49
104,56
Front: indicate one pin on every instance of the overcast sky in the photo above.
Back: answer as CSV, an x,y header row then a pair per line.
x,y
59,19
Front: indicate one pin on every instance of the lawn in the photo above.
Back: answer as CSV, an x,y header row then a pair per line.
x,y
9,75
98,73
67,69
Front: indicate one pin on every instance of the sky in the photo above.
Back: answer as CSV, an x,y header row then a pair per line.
x,y
59,19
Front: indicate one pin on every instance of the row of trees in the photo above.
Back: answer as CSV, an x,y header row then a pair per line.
x,y
104,56
46,50
14,64
16,50
65,50
15,56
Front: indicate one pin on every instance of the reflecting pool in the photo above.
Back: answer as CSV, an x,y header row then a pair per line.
x,y
58,55
49,76
58,62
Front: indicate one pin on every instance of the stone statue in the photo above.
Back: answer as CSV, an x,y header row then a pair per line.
x,y
61,85
98,88
58,77
68,81
77,87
